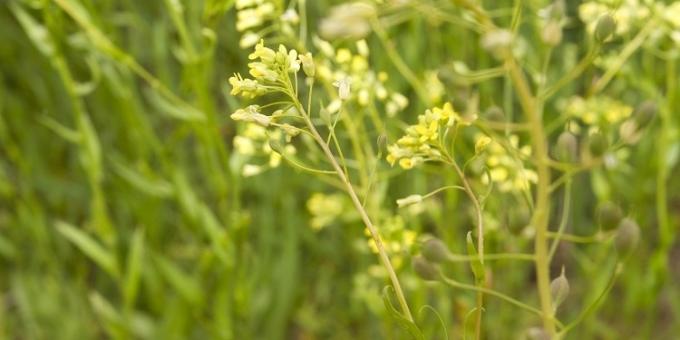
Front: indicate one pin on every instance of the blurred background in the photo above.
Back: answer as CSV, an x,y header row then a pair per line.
x,y
125,212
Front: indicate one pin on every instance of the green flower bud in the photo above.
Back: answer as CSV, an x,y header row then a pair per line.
x,y
559,289
609,215
308,66
494,114
597,144
435,250
605,28
424,269
644,113
567,147
627,236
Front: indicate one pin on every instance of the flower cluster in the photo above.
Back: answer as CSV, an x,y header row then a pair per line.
x,y
362,86
253,143
326,209
506,170
254,16
422,141
597,110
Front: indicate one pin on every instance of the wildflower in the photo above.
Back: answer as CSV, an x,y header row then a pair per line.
x,y
325,209
421,140
506,170
481,143
246,87
251,114
249,39
600,110
343,86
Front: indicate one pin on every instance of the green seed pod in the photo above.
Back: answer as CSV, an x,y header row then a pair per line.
x,y
276,145
435,250
567,147
494,114
644,113
609,216
425,269
559,289
597,144
605,28
627,236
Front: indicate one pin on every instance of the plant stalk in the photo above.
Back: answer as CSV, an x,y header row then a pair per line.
x,y
541,215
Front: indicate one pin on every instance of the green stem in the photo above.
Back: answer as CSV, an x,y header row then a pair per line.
x,y
384,257
542,209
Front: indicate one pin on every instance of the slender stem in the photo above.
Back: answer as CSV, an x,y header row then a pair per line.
x,y
480,245
384,257
575,72
627,51
563,223
497,294
499,256
542,209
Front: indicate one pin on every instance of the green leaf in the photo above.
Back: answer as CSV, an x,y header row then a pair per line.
x,y
90,247
64,132
135,262
175,110
188,288
149,186
402,321
476,264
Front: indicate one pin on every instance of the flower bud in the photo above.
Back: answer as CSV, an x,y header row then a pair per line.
x,y
308,64
552,33
597,144
644,113
409,200
498,42
609,215
559,289
567,147
435,250
627,236
481,144
351,20
424,269
605,28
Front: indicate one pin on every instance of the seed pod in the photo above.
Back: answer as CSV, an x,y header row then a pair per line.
x,y
537,333
627,236
552,33
494,114
424,269
567,147
597,144
609,215
605,27
644,113
435,250
559,289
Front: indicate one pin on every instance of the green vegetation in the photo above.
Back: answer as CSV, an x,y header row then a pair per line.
x,y
307,169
